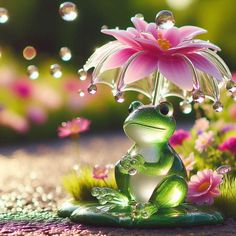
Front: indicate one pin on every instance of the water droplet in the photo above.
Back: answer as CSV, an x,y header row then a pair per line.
x,y
3,15
132,171
223,169
217,106
104,27
119,97
68,11
186,107
33,72
231,86
140,16
198,96
65,54
55,71
165,19
81,93
29,53
82,74
92,89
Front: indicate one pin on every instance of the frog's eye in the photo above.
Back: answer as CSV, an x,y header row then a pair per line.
x,y
134,105
166,109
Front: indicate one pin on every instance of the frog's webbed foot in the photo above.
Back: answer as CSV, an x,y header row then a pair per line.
x,y
143,210
130,165
109,195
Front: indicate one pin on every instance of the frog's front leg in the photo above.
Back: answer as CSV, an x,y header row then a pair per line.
x,y
170,192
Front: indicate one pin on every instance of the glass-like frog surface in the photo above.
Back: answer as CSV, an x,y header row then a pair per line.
x,y
151,175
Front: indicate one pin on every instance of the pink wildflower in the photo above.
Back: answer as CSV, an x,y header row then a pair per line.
x,y
100,172
203,141
204,187
178,137
229,145
37,114
188,161
147,48
201,125
73,127
22,88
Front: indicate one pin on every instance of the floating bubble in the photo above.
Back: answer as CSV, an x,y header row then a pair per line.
x,y
198,96
119,97
65,54
223,169
81,93
29,53
55,71
165,19
33,72
3,15
217,106
68,11
82,74
92,89
140,16
186,107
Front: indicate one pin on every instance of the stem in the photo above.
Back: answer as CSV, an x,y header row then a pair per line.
x,y
105,182
157,88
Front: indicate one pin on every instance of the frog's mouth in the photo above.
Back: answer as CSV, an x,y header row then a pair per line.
x,y
148,126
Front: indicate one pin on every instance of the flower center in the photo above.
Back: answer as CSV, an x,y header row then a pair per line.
x,y
164,44
204,186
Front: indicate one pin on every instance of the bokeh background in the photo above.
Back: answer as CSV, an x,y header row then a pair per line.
x,y
32,110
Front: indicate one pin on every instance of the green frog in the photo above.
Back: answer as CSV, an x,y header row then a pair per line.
x,y
151,175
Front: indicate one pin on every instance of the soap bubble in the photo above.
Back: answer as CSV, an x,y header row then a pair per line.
x,y
68,11
29,53
3,15
55,71
33,72
65,54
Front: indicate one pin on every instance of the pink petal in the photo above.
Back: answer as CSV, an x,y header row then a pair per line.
x,y
123,36
139,24
203,64
149,45
133,31
177,70
172,35
152,28
140,67
117,59
189,32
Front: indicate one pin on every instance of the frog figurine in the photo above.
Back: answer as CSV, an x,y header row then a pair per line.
x,y
151,175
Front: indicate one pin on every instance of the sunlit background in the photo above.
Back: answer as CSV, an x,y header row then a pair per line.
x,y
41,54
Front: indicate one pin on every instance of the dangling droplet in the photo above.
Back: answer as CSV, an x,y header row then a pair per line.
x,y
186,107
33,72
104,27
68,11
231,86
217,106
92,89
165,19
82,74
29,53
65,54
198,96
3,15
140,16
132,171
55,71
81,93
119,97
222,170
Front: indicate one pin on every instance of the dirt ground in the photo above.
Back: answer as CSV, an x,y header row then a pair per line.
x,y
45,164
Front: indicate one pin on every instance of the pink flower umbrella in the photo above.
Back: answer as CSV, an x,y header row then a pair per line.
x,y
173,63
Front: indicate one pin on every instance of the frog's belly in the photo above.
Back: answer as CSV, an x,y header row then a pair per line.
x,y
142,186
